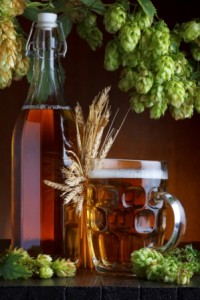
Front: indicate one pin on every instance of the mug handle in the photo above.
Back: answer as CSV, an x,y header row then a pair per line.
x,y
179,222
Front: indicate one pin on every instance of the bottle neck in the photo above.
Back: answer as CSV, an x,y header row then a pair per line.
x,y
46,85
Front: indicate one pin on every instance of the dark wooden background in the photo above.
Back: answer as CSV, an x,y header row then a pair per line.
x,y
177,142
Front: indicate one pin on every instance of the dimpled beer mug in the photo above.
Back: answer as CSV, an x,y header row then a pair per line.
x,y
127,210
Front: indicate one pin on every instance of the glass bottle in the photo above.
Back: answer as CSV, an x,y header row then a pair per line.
x,y
43,133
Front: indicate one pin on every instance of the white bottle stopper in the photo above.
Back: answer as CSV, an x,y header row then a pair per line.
x,y
47,20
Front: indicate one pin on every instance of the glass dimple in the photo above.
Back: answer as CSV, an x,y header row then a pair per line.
x,y
134,197
145,221
106,242
120,220
155,201
98,219
108,196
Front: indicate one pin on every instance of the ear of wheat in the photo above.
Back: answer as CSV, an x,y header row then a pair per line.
x,y
90,145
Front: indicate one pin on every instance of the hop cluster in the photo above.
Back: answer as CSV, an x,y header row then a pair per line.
x,y
74,9
18,263
88,30
154,70
12,8
45,267
177,266
13,62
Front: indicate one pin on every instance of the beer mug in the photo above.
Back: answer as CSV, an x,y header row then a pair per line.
x,y
127,210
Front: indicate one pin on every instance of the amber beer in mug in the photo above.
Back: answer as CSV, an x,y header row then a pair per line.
x,y
127,211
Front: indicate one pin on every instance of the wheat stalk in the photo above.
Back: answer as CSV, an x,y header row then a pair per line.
x,y
90,145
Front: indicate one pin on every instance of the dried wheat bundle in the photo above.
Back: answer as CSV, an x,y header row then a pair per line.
x,y
90,145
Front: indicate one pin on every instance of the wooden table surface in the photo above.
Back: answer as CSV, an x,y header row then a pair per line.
x,y
88,285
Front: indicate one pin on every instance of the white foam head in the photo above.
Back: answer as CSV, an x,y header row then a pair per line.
x,y
128,173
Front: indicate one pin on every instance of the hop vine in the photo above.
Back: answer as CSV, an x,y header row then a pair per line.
x,y
158,66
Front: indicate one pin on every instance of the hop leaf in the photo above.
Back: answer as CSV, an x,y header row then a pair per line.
x,y
148,7
11,267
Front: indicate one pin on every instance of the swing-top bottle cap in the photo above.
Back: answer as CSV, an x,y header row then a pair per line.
x,y
47,20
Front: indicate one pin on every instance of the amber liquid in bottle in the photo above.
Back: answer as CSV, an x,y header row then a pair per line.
x,y
40,141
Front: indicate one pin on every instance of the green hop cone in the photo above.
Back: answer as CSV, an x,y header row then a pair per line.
x,y
114,18
12,8
158,109
95,38
112,58
23,253
197,41
195,50
127,79
190,31
169,268
157,93
43,260
22,61
190,88
88,30
154,272
180,63
165,68
184,111
45,272
142,20
184,274
129,36
197,99
8,51
74,10
160,39
145,41
175,92
63,268
5,78
144,81
175,41
131,59
137,103
143,258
